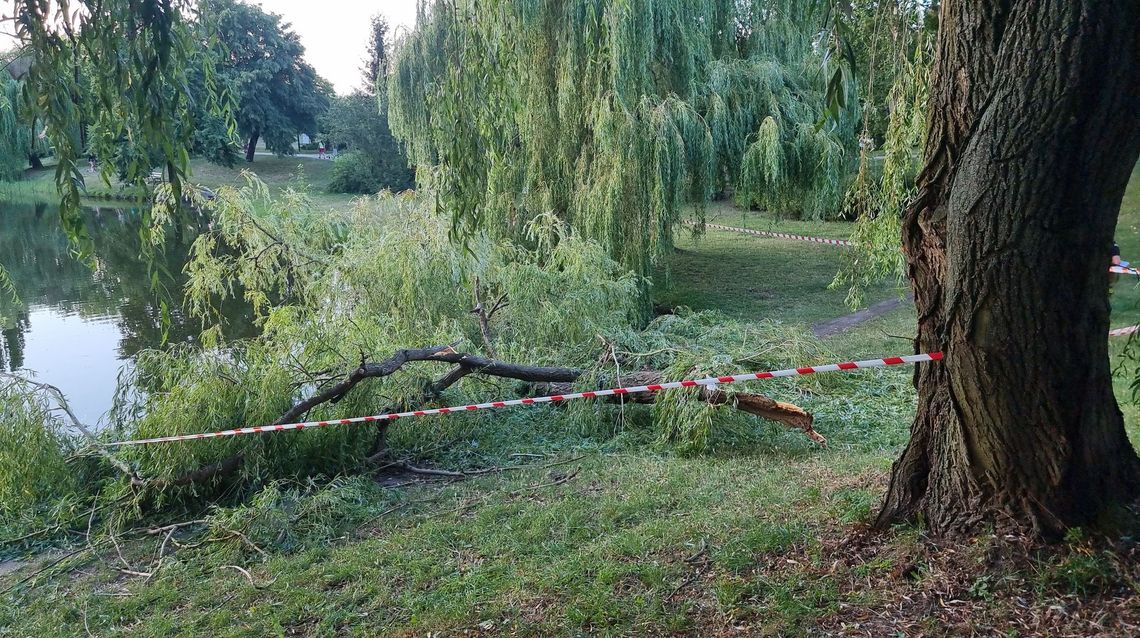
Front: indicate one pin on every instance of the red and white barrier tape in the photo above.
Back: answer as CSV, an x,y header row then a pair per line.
x,y
1120,332
1120,270
764,233
656,387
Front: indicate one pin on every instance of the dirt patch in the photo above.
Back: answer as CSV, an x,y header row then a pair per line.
x,y
10,567
847,322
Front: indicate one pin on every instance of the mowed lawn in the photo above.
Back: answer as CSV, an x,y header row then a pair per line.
x,y
756,278
619,535
278,173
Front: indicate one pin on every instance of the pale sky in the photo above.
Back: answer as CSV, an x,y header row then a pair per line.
x,y
334,32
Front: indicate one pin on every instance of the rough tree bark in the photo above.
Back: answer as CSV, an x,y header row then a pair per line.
x,y
1032,137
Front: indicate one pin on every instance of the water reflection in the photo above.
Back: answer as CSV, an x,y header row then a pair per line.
x,y
78,322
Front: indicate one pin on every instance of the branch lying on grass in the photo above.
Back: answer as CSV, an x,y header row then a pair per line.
x,y
547,380
249,576
752,403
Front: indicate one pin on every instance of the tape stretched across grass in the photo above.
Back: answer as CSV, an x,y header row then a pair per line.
x,y
555,398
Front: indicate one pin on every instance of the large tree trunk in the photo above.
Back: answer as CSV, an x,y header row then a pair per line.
x,y
1031,140
251,147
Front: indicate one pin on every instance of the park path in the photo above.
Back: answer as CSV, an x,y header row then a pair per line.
x,y
301,155
847,322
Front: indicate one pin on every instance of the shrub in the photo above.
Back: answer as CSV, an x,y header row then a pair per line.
x,y
359,172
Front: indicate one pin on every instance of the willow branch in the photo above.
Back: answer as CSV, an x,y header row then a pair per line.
x,y
61,401
546,379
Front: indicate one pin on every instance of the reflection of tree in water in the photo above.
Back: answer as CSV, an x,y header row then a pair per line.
x,y
115,282
12,345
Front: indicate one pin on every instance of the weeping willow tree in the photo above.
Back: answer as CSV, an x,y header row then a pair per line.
x,y
614,115
19,142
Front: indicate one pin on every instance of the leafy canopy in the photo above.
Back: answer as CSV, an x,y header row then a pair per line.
x,y
276,94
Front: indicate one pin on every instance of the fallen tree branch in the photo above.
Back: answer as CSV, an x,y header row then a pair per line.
x,y
752,403
61,401
546,380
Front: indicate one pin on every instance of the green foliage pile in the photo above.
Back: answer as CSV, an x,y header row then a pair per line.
x,y
614,115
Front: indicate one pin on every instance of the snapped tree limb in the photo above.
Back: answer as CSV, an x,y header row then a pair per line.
x,y
545,380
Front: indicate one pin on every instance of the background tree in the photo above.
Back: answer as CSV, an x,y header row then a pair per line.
x,y
20,141
359,123
376,63
276,93
1031,140
615,115
375,159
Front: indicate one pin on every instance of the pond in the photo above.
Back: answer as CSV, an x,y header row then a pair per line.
x,y
78,323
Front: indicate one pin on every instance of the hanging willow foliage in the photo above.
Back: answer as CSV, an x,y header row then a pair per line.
x,y
18,139
878,204
614,115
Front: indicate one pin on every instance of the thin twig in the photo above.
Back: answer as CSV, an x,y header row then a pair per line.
x,y
512,468
91,519
173,526
565,479
685,583
249,576
246,540
131,572
429,471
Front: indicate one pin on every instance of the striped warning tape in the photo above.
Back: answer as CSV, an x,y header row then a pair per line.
x,y
764,233
1120,270
557,398
1120,332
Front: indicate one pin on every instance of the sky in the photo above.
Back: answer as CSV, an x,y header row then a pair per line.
x,y
334,32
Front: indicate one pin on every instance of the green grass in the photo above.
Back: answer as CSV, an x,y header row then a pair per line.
x,y
755,278
629,539
277,172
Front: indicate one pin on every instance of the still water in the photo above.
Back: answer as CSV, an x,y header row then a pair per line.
x,y
78,323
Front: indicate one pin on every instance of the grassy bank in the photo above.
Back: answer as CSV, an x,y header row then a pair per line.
x,y
277,172
614,535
